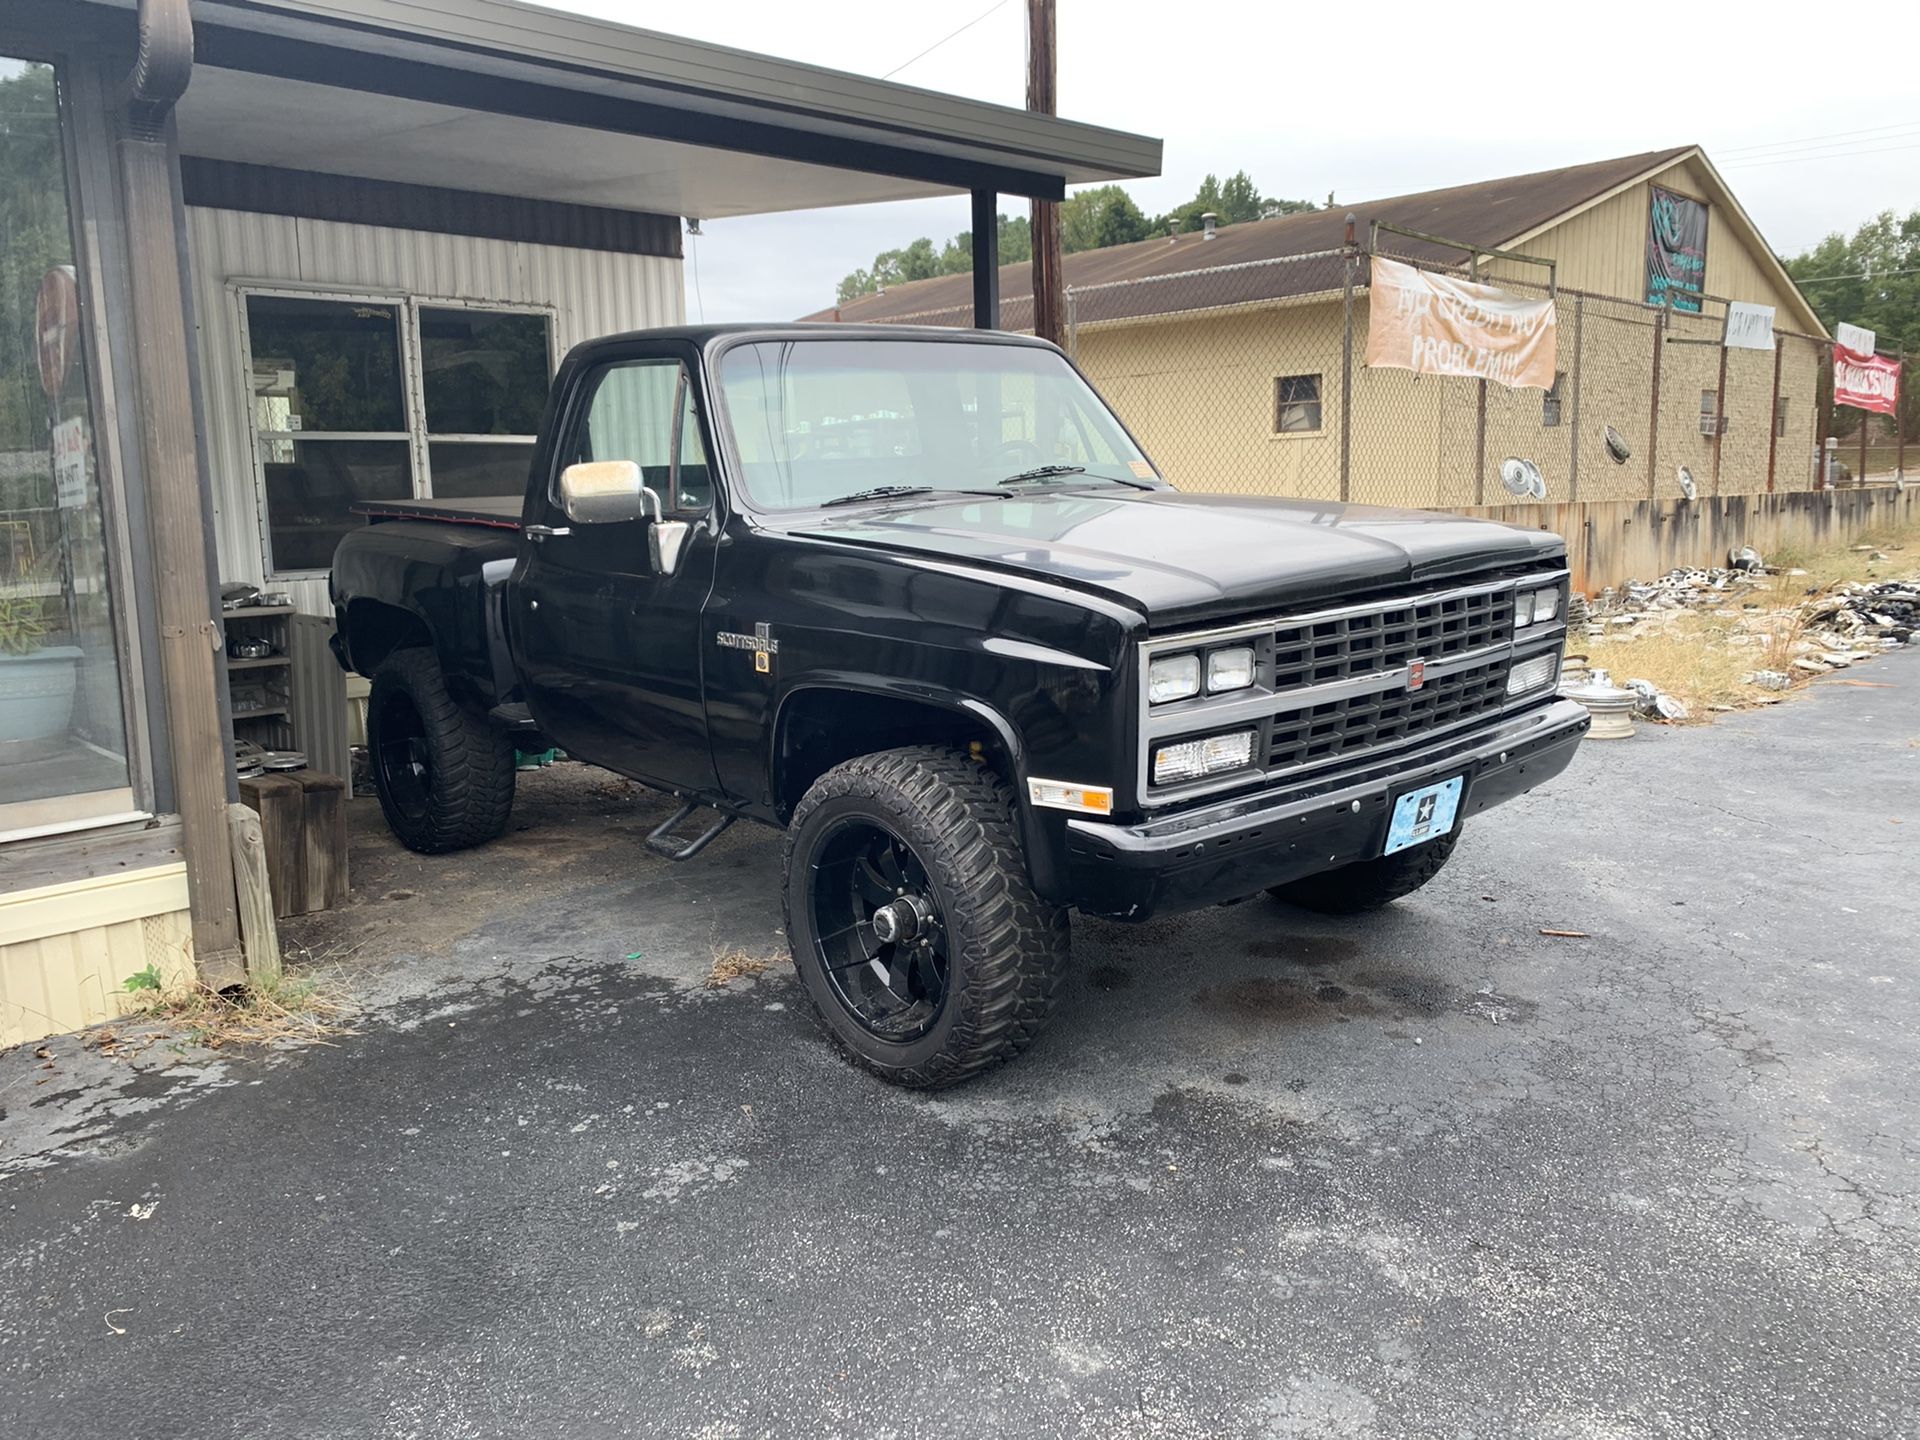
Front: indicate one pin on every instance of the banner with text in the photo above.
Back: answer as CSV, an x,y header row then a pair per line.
x,y
1864,380
1437,325
1676,250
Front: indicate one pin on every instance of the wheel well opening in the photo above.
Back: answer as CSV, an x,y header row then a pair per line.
x,y
375,630
819,729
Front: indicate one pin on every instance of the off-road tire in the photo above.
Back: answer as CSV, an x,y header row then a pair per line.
x,y
1369,884
1008,948
470,760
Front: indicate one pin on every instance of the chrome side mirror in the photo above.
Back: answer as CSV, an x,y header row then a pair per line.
x,y
604,492
601,492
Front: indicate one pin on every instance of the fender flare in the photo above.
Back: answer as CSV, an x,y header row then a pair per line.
x,y
1045,849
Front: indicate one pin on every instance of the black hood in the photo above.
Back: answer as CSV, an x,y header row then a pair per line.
x,y
1186,559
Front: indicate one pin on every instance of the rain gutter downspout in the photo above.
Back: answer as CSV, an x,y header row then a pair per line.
x,y
189,631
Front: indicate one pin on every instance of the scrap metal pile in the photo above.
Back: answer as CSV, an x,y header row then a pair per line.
x,y
1809,632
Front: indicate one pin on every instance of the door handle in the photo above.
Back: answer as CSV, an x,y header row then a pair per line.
x,y
545,532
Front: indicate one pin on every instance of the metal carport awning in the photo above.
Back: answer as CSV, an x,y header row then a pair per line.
x,y
510,98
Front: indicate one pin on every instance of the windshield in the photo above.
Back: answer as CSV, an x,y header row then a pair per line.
x,y
819,420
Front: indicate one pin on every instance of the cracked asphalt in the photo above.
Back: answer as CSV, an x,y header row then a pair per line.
x,y
1428,1173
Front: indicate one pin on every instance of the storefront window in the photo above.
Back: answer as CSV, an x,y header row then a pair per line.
x,y
63,742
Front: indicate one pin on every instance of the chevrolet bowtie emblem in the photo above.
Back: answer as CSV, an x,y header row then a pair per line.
x,y
761,643
1416,674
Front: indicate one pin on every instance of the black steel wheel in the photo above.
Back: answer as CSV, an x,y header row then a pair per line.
x,y
444,774
402,760
914,924
879,934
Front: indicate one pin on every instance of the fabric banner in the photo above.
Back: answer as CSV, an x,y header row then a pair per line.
x,y
1676,250
1866,382
1437,325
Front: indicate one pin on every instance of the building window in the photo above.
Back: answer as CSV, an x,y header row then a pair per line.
x,y
358,399
1709,412
63,729
1296,404
1550,401
1780,403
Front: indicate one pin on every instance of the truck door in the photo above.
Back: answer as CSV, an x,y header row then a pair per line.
x,y
609,643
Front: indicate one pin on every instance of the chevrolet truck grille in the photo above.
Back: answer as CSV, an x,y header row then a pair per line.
x,y
1372,640
1345,685
1358,722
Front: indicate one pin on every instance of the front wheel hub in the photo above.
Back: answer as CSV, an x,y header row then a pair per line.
x,y
902,920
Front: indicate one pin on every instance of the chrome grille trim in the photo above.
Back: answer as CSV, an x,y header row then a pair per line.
x,y
1267,702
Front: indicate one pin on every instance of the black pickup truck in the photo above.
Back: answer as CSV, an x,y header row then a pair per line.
x,y
919,598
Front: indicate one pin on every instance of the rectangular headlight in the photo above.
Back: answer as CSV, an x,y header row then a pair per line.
x,y
1230,669
1191,759
1532,674
1535,607
1173,677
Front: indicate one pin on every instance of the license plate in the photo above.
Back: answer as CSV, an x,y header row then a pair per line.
x,y
1424,814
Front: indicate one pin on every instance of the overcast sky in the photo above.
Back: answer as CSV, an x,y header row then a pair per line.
x,y
1815,123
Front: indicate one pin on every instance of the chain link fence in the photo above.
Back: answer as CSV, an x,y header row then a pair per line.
x,y
1251,379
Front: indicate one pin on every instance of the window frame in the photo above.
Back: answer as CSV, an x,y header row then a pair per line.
x,y
1782,406
99,261
687,392
1319,402
1710,419
1553,402
407,305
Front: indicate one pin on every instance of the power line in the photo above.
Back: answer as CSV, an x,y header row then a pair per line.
x,y
1832,147
1863,279
1805,139
1803,159
1000,5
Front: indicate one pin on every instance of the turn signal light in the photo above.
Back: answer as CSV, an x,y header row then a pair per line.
x,y
1059,795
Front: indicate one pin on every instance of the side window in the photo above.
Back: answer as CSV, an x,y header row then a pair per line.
x,y
642,410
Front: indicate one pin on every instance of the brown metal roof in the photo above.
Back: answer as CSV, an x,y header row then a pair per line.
x,y
1489,213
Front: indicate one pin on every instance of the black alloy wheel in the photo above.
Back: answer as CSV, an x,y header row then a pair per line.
x,y
879,932
402,755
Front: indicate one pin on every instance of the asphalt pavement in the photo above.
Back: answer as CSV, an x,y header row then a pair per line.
x,y
1427,1173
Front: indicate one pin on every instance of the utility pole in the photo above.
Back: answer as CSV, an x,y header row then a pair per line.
x,y
1049,304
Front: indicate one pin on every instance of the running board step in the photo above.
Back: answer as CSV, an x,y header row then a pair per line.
x,y
663,841
511,717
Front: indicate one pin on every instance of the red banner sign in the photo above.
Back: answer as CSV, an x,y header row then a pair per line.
x,y
1866,382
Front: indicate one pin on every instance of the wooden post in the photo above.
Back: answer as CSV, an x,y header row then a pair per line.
x,y
1048,305
1346,365
986,260
1773,415
182,598
1573,439
257,925
1720,400
1653,418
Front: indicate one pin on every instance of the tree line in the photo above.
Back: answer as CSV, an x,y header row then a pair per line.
x,y
1090,219
1870,278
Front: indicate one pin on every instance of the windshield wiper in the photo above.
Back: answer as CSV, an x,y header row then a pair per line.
x,y
896,492
878,492
1049,472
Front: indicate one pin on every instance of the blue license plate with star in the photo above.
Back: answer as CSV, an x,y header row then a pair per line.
x,y
1424,814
